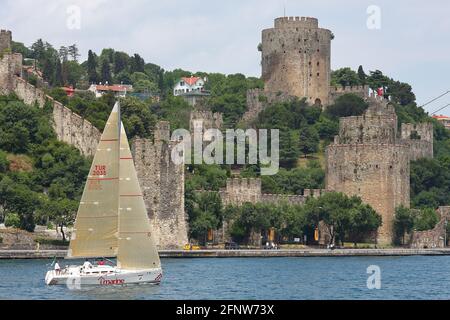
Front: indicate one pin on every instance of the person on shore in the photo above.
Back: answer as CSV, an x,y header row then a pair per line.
x,y
57,268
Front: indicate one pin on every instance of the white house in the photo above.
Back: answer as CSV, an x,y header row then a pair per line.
x,y
120,90
189,85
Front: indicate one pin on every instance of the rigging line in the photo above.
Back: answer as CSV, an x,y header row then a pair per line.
x,y
441,109
433,100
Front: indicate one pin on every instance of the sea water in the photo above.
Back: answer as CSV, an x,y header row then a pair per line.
x,y
415,277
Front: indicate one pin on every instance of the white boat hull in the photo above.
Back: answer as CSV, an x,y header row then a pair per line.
x,y
75,277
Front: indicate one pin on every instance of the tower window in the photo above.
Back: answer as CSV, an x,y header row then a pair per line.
x,y
318,74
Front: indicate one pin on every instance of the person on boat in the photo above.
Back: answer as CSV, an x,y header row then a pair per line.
x,y
87,264
57,268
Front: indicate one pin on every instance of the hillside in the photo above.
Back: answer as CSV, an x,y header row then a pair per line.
x,y
42,179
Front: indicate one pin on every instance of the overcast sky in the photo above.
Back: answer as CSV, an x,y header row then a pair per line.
x,y
412,45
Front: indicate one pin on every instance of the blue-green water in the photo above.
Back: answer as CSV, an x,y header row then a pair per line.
x,y
259,278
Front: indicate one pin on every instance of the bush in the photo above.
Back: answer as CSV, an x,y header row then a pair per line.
x,y
12,220
51,242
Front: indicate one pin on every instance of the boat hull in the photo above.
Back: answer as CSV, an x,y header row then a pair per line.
x,y
75,277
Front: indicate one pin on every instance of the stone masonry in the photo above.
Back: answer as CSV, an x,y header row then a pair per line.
x,y
371,160
5,41
162,181
434,238
206,119
296,59
242,190
296,63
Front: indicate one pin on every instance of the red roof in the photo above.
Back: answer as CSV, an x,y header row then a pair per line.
x,y
441,117
115,88
191,81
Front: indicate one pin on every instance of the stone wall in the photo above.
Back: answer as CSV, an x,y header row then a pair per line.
x,y
208,120
434,238
162,184
368,160
29,93
336,92
258,100
162,181
419,137
74,130
296,59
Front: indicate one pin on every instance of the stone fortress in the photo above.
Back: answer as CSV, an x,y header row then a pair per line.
x,y
296,62
371,159
370,156
162,181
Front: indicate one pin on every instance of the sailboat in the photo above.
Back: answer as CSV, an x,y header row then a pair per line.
x,y
112,220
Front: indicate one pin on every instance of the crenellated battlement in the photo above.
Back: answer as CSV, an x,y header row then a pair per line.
x,y
244,185
349,89
337,91
301,22
417,131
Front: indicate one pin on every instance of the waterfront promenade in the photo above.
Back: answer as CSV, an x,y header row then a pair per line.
x,y
47,254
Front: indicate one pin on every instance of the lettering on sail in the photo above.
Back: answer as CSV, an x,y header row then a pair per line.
x,y
98,171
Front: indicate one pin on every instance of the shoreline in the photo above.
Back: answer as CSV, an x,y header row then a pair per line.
x,y
282,253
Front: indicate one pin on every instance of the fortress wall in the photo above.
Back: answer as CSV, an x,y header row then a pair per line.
x,y
162,184
419,137
209,119
258,100
378,173
336,92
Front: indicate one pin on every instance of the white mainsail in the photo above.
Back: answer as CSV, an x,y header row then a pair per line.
x,y
136,248
95,229
112,218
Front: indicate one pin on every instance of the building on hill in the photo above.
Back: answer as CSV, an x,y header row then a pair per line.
x,y
189,84
445,120
371,159
119,90
191,89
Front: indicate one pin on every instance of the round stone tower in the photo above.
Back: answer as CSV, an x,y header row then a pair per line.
x,y
296,59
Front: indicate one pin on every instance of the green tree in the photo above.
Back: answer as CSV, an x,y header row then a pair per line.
x,y
309,140
347,105
426,219
362,75
345,77
12,220
4,163
106,72
403,223
92,67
